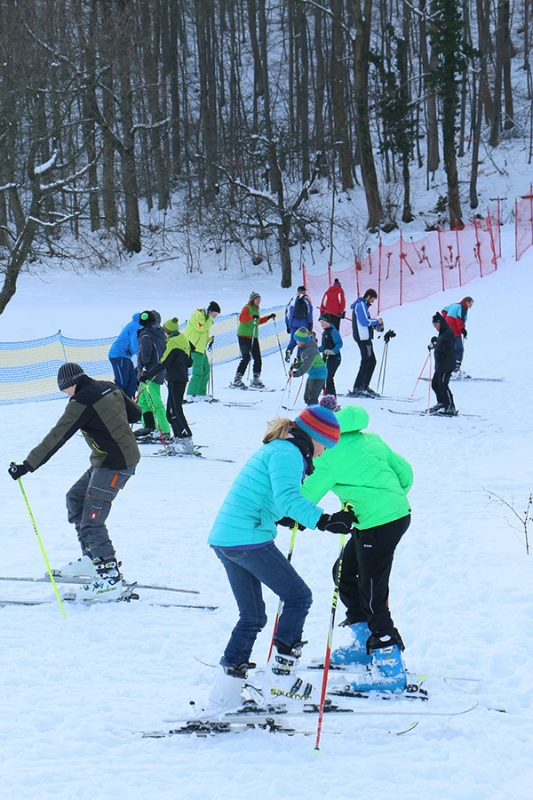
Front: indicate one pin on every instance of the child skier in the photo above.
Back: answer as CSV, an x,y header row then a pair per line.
x,y
311,362
248,335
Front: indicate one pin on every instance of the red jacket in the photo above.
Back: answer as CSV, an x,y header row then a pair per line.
x,y
334,301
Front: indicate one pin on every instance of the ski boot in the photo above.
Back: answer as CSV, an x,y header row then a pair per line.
x,y
354,653
225,694
386,672
434,409
257,383
82,568
281,681
182,447
238,382
107,585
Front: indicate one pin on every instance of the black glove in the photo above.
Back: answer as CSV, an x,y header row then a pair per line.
x,y
287,522
339,522
144,379
272,316
210,345
343,315
465,334
18,470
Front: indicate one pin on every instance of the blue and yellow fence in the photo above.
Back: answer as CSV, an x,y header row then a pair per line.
x,y
28,370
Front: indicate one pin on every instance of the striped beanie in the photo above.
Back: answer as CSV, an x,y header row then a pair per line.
x,y
68,375
301,335
320,424
254,296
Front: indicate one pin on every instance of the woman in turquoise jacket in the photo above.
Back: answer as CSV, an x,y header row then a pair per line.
x,y
267,491
365,472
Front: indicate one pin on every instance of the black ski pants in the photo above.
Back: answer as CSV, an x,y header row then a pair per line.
x,y
440,383
249,349
368,365
366,567
176,417
332,365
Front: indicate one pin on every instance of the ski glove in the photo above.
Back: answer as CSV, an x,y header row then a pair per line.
x,y
329,353
272,316
464,332
210,343
339,522
287,522
18,470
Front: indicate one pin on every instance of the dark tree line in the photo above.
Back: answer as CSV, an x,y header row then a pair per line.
x,y
225,115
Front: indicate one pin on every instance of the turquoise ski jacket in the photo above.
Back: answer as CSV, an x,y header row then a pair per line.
x,y
266,489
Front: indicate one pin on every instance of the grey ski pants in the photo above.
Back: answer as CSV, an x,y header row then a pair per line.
x,y
88,506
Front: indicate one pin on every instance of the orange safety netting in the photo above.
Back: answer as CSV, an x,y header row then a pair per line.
x,y
412,270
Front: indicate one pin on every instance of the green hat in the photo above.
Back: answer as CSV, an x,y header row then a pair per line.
x,y
171,325
301,335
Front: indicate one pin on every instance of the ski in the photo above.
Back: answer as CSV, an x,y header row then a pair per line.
x,y
427,414
471,378
210,728
383,397
85,579
244,404
162,453
128,599
257,389
252,714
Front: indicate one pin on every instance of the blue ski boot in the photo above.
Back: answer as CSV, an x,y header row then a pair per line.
x,y
387,672
354,653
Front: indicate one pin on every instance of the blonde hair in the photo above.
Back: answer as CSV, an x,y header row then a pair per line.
x,y
278,428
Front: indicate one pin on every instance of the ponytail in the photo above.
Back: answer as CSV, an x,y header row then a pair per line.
x,y
278,428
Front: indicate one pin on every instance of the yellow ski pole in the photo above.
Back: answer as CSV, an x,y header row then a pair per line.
x,y
43,551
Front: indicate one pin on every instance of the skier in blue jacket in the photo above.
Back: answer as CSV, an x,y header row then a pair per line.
x,y
267,490
121,353
363,326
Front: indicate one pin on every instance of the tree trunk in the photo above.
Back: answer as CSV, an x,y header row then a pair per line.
x,y
361,52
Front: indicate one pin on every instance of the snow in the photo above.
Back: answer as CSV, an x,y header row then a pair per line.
x,y
75,691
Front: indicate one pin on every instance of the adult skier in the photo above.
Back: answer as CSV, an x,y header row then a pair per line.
x,y
266,490
248,335
333,304
363,470
121,353
176,360
298,314
444,348
198,332
103,413
456,315
363,332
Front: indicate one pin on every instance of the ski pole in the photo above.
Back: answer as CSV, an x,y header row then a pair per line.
x,y
287,384
330,637
280,350
294,531
421,373
43,551
382,369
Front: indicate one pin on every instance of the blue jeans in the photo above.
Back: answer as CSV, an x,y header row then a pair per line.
x,y
247,570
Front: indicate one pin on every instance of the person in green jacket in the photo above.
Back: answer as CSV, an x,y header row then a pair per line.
x,y
363,470
248,335
198,332
176,360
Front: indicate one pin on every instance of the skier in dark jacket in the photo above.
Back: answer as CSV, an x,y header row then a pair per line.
x,y
151,346
103,413
176,360
363,326
444,347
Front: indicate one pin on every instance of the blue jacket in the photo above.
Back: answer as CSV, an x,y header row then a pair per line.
x,y
362,323
303,320
125,345
266,489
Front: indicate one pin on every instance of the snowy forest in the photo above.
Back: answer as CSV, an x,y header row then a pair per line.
x,y
127,124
